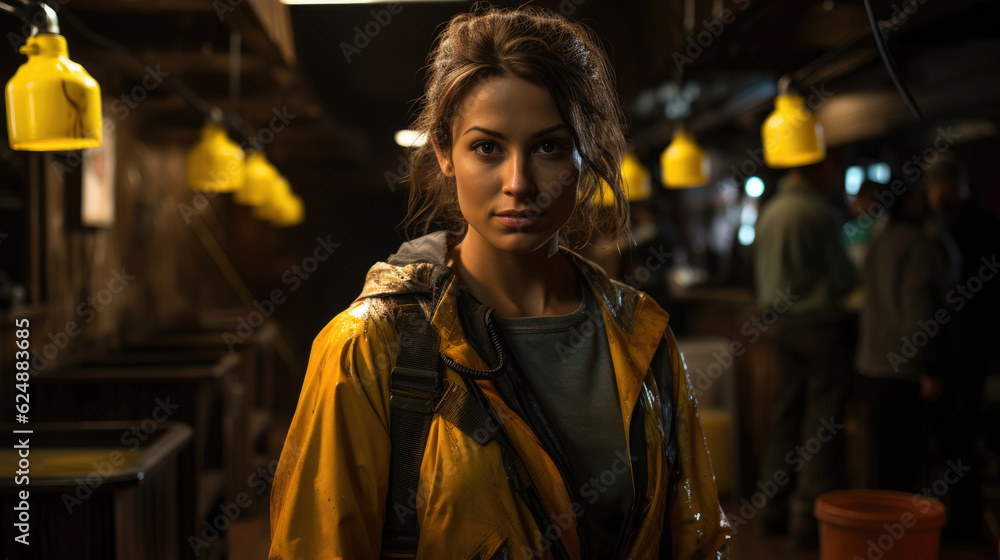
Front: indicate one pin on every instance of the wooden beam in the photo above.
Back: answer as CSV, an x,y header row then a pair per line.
x,y
271,38
265,24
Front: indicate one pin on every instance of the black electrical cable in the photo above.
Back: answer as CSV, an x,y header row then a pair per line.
x,y
890,65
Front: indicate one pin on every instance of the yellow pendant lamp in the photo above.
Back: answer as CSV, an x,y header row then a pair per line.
x,y
52,103
270,210
635,179
215,163
291,213
791,134
604,196
684,163
259,181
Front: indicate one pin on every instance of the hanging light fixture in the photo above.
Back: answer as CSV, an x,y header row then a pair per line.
x,y
215,163
259,181
604,196
791,134
635,181
52,103
637,178
684,163
290,213
283,208
270,210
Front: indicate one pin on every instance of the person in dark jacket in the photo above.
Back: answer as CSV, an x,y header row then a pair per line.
x,y
904,282
972,234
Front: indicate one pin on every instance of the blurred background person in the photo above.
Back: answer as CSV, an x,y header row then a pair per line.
x,y
973,234
870,218
904,283
645,264
799,251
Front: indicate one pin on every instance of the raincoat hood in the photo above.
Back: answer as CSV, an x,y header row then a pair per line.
x,y
419,267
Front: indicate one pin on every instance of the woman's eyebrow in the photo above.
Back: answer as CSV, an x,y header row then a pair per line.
x,y
499,135
486,131
552,128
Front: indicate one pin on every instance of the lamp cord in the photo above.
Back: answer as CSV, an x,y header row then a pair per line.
x,y
890,65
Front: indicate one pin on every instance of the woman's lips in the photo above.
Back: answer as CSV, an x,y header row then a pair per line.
x,y
518,221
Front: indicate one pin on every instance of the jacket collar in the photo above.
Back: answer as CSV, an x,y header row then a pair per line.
x,y
418,267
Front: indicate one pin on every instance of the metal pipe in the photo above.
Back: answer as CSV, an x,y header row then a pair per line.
x,y
42,18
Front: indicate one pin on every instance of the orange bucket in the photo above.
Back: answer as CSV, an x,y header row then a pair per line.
x,y
878,525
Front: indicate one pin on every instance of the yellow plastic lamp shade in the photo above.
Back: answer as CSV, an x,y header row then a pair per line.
x,y
684,163
603,196
265,213
791,135
636,177
52,102
291,212
635,181
260,177
215,163
271,210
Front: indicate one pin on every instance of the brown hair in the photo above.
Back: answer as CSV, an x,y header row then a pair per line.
x,y
542,47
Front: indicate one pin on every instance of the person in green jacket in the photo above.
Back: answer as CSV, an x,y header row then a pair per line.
x,y
802,275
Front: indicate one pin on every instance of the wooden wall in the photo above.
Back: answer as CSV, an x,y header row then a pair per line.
x,y
98,286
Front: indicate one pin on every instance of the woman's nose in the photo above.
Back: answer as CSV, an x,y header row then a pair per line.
x,y
518,180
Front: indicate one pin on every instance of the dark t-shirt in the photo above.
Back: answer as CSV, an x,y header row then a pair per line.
x,y
567,360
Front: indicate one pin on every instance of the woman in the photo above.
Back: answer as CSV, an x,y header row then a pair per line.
x,y
549,436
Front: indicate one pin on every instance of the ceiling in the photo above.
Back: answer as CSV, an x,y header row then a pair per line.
x,y
352,73
944,51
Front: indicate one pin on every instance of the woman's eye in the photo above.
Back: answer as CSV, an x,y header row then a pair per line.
x,y
486,148
549,147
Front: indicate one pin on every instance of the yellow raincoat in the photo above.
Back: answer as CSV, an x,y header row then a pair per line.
x,y
329,495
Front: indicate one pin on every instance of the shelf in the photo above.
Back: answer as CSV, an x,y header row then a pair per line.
x,y
33,312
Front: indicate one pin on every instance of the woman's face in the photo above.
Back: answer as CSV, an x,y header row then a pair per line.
x,y
515,165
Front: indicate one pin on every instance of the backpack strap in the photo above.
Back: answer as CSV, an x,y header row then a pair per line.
x,y
416,391
413,387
